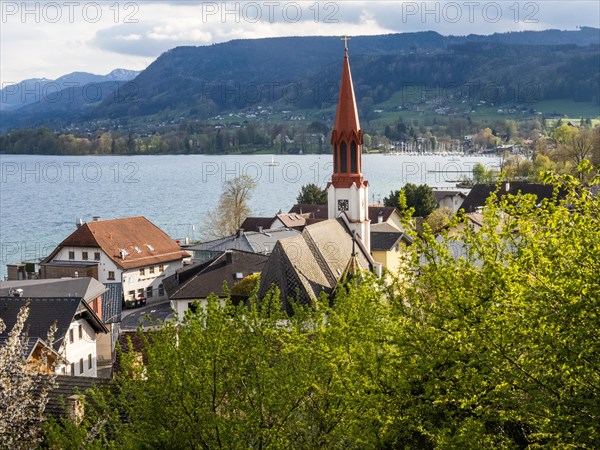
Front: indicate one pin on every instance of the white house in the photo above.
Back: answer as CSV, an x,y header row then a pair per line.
x,y
77,328
131,251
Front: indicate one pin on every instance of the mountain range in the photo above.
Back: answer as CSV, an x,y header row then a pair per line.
x,y
16,95
303,73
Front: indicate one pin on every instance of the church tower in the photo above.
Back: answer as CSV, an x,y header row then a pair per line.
x,y
348,191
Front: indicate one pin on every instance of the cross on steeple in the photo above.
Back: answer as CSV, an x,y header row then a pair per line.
x,y
346,38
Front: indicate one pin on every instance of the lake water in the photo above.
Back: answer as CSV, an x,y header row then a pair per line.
x,y
41,197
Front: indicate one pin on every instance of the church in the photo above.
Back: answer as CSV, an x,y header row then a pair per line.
x,y
325,253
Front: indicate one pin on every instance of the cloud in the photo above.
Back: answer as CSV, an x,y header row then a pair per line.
x,y
142,30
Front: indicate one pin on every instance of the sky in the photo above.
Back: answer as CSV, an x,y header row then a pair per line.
x,y
47,39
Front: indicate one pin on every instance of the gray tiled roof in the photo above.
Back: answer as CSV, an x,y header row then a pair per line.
x,y
112,303
304,266
251,241
480,192
200,280
384,241
85,287
66,386
44,312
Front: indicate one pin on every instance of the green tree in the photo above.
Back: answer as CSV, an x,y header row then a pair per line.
x,y
487,339
311,194
479,173
420,198
501,342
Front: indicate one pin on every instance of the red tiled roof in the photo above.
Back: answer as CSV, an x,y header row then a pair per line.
x,y
144,242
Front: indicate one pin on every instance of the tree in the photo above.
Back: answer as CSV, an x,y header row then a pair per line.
x,y
23,387
503,352
479,173
495,347
439,218
420,198
233,208
311,194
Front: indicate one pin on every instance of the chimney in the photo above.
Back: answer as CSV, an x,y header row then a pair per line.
x,y
79,222
380,217
229,257
259,229
239,233
96,218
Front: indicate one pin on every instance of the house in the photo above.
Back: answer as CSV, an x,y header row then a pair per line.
x,y
104,301
196,282
385,214
478,195
449,199
66,398
313,211
258,224
377,214
75,339
313,262
261,242
132,252
387,245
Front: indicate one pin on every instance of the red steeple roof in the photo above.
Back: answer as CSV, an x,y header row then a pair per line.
x,y
347,137
346,116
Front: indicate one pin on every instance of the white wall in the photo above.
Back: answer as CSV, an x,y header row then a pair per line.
x,y
133,280
105,264
79,348
130,278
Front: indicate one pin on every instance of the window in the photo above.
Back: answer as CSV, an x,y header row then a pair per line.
x,y
111,275
161,290
131,294
80,365
72,368
142,272
151,270
140,292
71,337
97,256
71,255
149,291
353,158
336,158
80,332
161,268
84,256
90,361
343,158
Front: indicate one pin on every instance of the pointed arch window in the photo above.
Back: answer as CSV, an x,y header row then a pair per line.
x,y
336,158
353,158
343,158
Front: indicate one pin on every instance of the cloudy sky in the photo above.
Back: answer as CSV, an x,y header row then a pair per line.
x,y
52,38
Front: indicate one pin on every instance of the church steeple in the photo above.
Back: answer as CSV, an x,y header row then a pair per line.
x,y
347,137
348,192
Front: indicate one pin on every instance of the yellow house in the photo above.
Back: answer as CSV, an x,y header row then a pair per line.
x,y
387,244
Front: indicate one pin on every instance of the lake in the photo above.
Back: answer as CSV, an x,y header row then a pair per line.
x,y
42,197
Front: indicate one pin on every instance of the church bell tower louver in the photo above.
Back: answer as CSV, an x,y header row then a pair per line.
x,y
348,191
